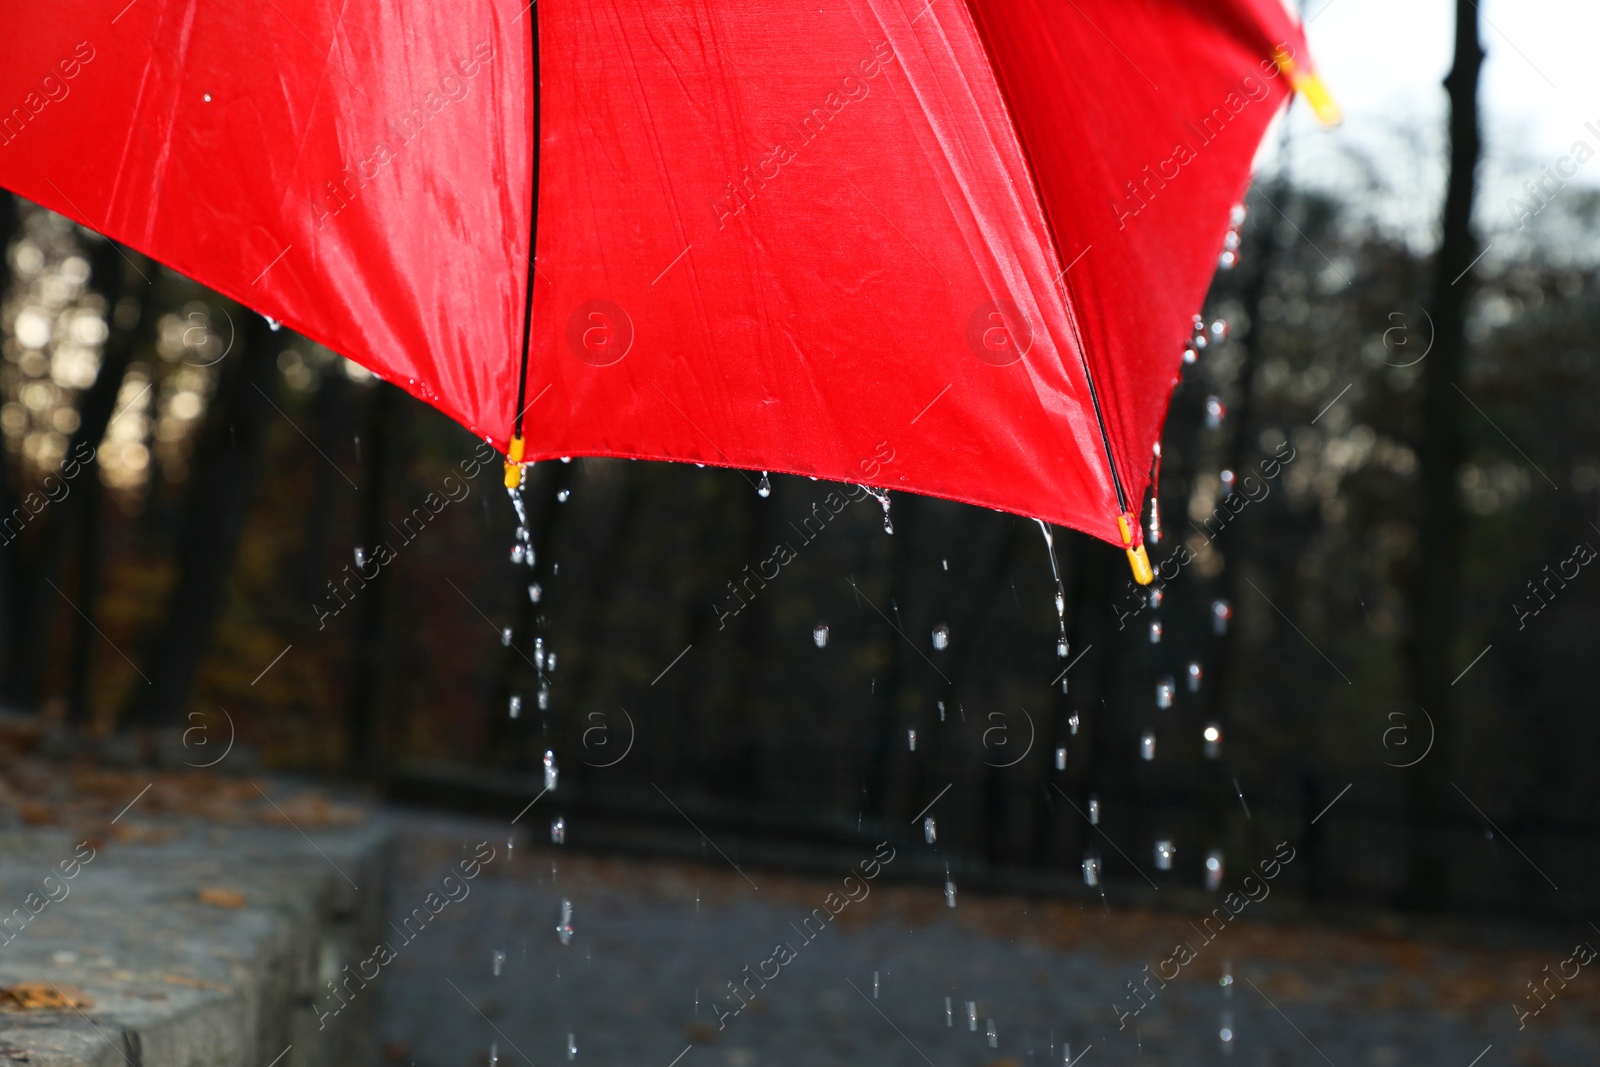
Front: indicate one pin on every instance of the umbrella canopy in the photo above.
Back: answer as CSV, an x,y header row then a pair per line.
x,y
952,247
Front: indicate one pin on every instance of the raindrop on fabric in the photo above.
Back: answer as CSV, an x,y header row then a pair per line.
x,y
273,324
764,487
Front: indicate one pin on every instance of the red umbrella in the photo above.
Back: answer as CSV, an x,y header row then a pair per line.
x,y
952,247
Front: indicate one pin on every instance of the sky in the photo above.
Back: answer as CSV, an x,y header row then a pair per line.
x,y
1385,60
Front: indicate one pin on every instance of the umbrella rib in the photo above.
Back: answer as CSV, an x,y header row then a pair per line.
x,y
533,236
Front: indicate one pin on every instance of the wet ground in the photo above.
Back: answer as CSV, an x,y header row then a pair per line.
x,y
888,979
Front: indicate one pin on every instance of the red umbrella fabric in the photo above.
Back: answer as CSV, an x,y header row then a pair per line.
x,y
948,247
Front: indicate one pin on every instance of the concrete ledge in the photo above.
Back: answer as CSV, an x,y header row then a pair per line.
x,y
176,982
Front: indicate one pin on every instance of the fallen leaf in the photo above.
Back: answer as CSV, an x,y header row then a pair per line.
x,y
42,996
221,898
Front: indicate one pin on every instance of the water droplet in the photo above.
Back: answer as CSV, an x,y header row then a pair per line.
x,y
1147,746
819,634
1236,215
946,567
505,637
1225,1032
1094,811
1227,261
538,653
1164,692
273,324
1061,759
1213,736
535,593
882,496
1219,330
1226,480
1213,870
518,553
1194,673
361,557
572,1046
566,459
874,985
563,495
550,771
494,1055
550,662
558,831
911,740
1226,981
994,1038
1155,597
1155,631
1066,1054
949,893
1165,850
514,705
941,711
564,928
1091,869
764,487
497,959
208,98
544,696
1214,413
949,1013
1220,614
972,1016
941,637
1072,724
930,832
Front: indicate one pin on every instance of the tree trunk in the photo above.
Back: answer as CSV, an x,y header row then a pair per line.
x,y
1433,629
226,462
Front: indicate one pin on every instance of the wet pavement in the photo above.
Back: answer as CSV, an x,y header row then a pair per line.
x,y
852,971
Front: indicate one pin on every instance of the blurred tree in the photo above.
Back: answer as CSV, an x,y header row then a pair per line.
x,y
1433,628
227,464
